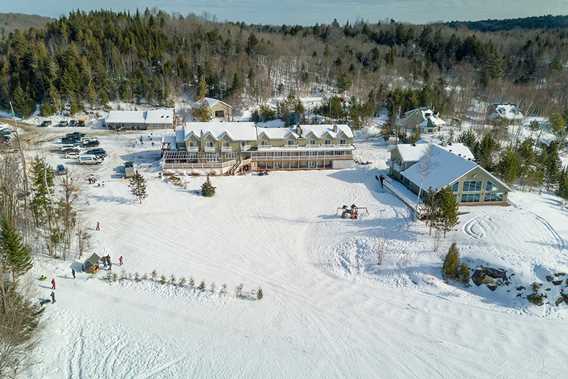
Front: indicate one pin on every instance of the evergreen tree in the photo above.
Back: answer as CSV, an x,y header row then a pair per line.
x,y
42,185
468,138
484,151
552,166
207,189
450,269
202,113
137,186
201,89
563,184
449,209
509,166
259,294
14,254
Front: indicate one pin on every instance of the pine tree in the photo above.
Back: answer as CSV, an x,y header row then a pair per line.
x,y
484,151
201,89
563,184
138,186
259,294
552,166
15,255
449,210
509,166
207,189
42,185
450,269
468,138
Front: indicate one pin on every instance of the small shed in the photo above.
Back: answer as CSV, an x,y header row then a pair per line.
x,y
91,265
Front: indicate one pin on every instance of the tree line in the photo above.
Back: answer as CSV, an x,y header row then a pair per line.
x,y
151,56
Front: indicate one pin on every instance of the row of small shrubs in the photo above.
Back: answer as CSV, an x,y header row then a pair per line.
x,y
183,283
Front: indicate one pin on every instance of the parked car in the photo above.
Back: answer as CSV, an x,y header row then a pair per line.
x,y
101,153
72,155
60,170
73,123
45,124
63,124
81,123
90,143
75,135
89,159
70,141
71,150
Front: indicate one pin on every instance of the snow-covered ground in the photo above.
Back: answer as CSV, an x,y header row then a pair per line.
x,y
328,309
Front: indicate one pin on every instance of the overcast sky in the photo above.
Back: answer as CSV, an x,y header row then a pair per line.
x,y
310,11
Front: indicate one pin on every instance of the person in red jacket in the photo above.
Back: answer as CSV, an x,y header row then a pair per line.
x,y
53,283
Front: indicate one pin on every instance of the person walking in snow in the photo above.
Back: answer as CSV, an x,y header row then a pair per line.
x,y
52,297
52,283
98,228
382,180
73,272
120,260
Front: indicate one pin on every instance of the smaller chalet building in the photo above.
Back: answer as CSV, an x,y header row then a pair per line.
x,y
220,110
421,167
140,120
505,112
420,118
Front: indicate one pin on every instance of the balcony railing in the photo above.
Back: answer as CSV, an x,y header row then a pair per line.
x,y
210,149
193,148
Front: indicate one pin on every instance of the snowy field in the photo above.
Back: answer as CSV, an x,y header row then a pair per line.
x,y
329,311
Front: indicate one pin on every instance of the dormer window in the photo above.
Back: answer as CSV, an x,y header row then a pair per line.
x,y
342,142
327,142
210,144
291,142
312,142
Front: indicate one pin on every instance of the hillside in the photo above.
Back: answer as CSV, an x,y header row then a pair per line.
x,y
12,21
538,22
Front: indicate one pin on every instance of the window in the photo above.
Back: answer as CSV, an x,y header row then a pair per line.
x,y
312,142
226,144
220,114
456,187
494,196
471,186
342,142
490,186
328,142
471,198
291,142
263,143
210,144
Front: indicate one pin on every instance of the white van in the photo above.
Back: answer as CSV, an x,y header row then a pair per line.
x,y
88,159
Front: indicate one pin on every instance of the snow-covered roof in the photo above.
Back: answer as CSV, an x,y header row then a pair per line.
x,y
210,102
320,130
160,116
125,117
438,168
414,152
277,133
236,131
507,111
460,150
420,117
154,116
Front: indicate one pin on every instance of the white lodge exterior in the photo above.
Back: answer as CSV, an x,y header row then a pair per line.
x,y
231,147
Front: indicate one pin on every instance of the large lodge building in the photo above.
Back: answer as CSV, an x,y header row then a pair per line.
x,y
230,147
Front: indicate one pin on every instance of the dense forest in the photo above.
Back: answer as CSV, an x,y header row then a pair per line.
x,y
151,56
538,22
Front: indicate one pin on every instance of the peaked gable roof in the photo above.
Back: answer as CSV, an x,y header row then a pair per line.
x,y
439,168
